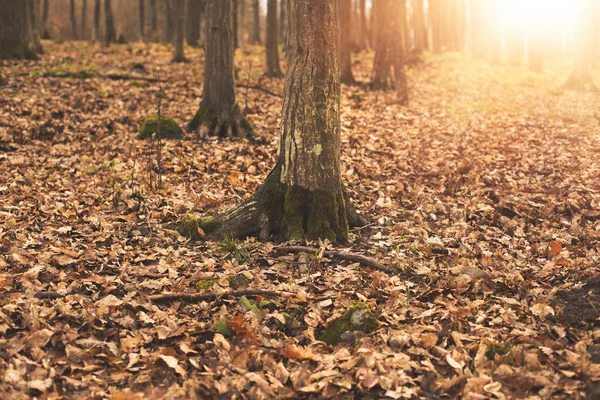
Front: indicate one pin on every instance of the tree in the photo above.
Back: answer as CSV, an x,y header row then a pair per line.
x,y
168,34
420,29
141,21
363,32
388,66
179,56
256,14
194,15
273,68
153,21
219,113
436,24
236,27
404,25
581,76
303,195
282,22
345,16
109,24
13,36
44,22
96,25
74,35
33,34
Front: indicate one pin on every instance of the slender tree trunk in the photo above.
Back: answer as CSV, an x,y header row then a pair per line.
x,y
84,8
44,27
435,14
110,35
141,16
272,50
194,13
404,31
363,36
282,22
73,21
219,113
236,43
303,196
345,15
96,22
168,34
153,21
242,21
34,33
13,41
256,14
419,26
179,11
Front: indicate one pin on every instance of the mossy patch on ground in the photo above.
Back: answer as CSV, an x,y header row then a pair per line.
x,y
188,226
168,128
359,317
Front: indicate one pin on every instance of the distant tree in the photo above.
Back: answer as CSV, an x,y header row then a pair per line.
x,y
420,30
436,25
581,76
404,27
236,25
168,33
194,15
74,35
363,35
153,21
179,11
256,15
44,21
388,66
110,35
141,16
96,22
219,113
13,35
282,22
345,16
33,34
303,196
273,68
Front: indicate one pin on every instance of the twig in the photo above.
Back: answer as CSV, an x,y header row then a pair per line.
x,y
197,297
369,262
260,88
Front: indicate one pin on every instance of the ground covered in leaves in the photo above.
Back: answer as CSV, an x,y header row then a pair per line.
x,y
482,194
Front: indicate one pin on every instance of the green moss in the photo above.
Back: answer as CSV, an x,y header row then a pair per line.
x,y
168,128
275,200
187,226
294,210
209,224
197,120
238,281
247,125
204,285
359,317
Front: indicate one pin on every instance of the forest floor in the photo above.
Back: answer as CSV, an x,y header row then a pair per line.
x,y
483,195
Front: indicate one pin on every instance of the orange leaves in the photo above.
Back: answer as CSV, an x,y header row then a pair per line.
x,y
555,248
297,353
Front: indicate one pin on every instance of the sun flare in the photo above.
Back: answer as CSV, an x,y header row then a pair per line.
x,y
546,14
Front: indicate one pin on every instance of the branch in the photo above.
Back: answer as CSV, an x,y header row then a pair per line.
x,y
369,262
260,88
197,297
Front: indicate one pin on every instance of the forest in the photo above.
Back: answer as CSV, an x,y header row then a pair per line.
x,y
299,199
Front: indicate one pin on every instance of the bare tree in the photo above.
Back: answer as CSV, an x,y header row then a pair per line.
x,y
179,55
345,16
256,14
273,68
73,21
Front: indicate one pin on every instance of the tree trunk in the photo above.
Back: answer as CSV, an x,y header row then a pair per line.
x,y
236,43
33,34
282,22
435,15
363,35
153,21
168,34
194,13
179,55
84,7
420,29
44,27
219,113
404,31
141,16
109,24
96,24
303,196
73,21
272,51
13,41
256,14
581,76
345,15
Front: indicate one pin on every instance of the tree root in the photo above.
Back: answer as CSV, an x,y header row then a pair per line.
x,y
198,297
369,262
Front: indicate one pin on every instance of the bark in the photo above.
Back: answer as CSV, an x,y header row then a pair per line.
x,y
44,22
168,34
435,15
219,113
388,66
84,8
194,14
96,24
179,55
272,50
420,29
153,21
363,36
110,35
13,40
236,42
282,22
345,15
141,16
256,15
33,34
74,35
303,196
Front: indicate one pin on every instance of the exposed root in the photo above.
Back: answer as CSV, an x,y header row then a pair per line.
x,y
209,123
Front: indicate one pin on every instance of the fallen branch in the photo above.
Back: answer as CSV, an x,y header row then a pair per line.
x,y
197,297
368,261
260,88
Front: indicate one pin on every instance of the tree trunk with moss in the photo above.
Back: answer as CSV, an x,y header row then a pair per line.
x,y
303,196
345,18
13,36
272,50
219,113
179,55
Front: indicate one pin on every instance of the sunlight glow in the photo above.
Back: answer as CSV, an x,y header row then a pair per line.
x,y
545,14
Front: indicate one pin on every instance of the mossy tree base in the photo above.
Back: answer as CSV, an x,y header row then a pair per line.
x,y
207,122
286,213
